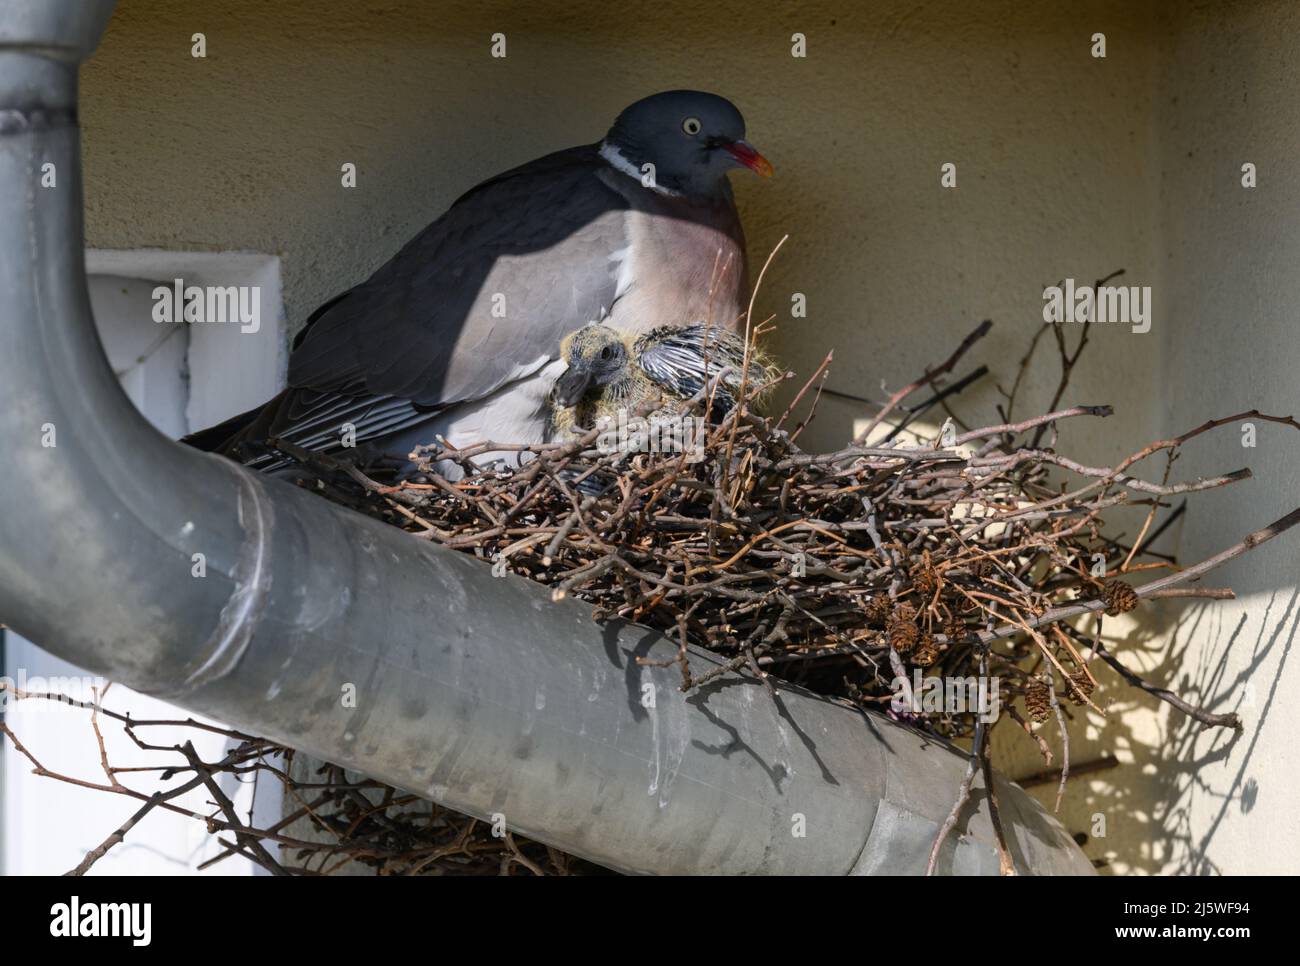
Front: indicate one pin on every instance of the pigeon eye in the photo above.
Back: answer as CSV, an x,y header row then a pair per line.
x,y
692,126
607,353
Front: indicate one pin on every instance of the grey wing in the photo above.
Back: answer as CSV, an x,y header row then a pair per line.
x,y
683,360
478,299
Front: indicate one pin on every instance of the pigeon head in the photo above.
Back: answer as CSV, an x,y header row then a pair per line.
x,y
692,138
595,355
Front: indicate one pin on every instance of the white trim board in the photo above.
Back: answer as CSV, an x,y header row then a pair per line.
x,y
228,375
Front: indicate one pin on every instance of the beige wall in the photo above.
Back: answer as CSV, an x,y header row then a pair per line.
x,y
1231,265
242,150
1188,800
1067,166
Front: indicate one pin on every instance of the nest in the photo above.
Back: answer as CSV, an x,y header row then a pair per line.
x,y
971,553
964,555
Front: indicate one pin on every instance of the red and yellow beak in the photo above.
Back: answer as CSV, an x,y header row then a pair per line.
x,y
745,154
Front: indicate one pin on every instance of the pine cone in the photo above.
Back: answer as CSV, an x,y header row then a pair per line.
x,y
1081,687
1038,700
1120,597
926,652
877,609
925,579
902,631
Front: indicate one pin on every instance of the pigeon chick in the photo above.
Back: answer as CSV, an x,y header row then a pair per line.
x,y
608,371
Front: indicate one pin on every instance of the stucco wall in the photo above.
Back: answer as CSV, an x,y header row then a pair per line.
x,y
1067,165
242,149
1188,800
1231,256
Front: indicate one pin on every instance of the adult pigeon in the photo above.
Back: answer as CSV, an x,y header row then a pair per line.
x,y
458,335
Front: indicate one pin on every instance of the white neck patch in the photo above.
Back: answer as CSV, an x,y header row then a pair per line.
x,y
619,162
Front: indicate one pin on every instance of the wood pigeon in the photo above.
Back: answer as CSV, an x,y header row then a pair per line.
x,y
458,335
609,370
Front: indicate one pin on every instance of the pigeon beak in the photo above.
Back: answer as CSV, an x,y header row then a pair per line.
x,y
571,386
745,154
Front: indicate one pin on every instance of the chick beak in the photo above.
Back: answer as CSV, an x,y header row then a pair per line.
x,y
571,386
745,154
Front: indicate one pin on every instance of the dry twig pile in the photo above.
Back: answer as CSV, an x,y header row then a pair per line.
x,y
837,571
